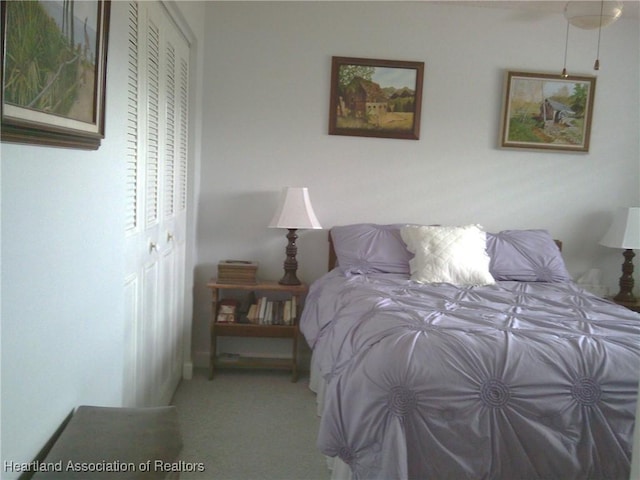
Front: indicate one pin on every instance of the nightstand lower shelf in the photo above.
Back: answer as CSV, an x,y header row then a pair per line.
x,y
223,361
245,330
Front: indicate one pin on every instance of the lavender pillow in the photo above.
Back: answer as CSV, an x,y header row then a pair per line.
x,y
370,248
526,256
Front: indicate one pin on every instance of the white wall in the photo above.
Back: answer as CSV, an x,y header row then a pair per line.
x,y
265,126
62,270
62,295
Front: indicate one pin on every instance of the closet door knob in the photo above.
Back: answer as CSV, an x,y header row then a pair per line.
x,y
152,247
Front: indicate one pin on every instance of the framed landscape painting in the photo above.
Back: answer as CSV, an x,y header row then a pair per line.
x,y
547,111
375,98
53,72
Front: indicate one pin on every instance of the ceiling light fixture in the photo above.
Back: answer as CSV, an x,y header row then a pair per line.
x,y
589,15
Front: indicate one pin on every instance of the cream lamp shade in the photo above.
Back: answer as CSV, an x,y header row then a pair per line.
x,y
625,229
295,210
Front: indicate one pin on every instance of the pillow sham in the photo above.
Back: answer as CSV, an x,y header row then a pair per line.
x,y
455,255
526,256
370,248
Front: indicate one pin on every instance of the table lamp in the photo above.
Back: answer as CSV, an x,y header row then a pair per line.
x,y
294,212
625,233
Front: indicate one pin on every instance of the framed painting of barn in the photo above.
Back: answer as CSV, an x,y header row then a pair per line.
x,y
547,111
375,98
54,57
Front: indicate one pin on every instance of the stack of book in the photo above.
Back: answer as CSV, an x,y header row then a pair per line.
x,y
237,271
273,312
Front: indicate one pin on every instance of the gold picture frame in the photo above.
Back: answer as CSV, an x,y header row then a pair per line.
x,y
54,96
375,98
546,111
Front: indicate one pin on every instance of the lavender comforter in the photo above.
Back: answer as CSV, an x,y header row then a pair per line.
x,y
518,380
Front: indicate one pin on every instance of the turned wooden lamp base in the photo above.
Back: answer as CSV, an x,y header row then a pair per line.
x,y
291,264
626,280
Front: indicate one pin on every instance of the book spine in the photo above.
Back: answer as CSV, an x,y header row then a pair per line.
x,y
294,309
262,305
286,315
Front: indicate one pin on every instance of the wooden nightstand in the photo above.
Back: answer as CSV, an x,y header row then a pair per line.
x,y
236,329
631,306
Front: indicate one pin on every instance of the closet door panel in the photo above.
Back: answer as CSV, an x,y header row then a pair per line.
x,y
155,224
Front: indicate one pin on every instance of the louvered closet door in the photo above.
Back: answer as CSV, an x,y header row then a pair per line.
x,y
156,204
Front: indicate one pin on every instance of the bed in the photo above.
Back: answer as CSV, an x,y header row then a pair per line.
x,y
453,353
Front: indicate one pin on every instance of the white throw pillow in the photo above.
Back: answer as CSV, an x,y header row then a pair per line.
x,y
454,255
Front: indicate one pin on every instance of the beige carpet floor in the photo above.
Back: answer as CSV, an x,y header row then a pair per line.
x,y
249,425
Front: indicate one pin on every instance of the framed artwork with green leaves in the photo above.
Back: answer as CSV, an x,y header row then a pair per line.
x,y
54,71
547,111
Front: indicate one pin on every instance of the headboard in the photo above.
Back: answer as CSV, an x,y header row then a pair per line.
x,y
333,259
